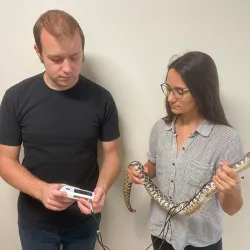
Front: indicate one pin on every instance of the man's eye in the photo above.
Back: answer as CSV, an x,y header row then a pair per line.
x,y
74,58
56,60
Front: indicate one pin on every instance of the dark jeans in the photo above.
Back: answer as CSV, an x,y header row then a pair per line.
x,y
166,246
81,237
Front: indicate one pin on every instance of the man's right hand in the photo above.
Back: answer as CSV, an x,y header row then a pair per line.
x,y
54,199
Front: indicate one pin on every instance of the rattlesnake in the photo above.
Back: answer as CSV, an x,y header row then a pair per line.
x,y
186,207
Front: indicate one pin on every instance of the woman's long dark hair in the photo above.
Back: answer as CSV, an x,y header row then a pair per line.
x,y
199,73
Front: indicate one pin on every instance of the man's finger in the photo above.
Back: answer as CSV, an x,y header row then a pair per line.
x,y
59,193
99,192
56,203
54,208
60,197
66,200
97,197
101,201
83,208
97,207
84,202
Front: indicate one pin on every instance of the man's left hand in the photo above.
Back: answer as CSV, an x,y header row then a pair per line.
x,y
97,204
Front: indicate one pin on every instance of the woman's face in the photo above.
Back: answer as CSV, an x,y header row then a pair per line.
x,y
179,97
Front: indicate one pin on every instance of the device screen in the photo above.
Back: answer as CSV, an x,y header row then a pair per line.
x,y
79,191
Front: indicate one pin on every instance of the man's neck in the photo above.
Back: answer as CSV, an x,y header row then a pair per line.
x,y
55,86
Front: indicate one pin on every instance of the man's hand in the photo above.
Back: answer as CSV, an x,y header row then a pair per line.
x,y
97,204
54,199
226,179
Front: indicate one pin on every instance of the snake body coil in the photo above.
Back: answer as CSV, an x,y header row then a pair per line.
x,y
186,207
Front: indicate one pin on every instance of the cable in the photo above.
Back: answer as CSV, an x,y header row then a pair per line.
x,y
162,231
172,213
99,236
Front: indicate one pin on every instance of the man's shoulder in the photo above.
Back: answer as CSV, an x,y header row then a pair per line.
x,y
95,88
24,85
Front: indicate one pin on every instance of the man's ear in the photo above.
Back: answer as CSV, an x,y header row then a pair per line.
x,y
38,53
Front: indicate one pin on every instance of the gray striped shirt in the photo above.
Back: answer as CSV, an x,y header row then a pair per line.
x,y
181,176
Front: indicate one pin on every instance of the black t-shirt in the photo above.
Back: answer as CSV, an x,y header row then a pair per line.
x,y
60,132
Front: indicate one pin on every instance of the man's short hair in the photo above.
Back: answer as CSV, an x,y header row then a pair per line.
x,y
59,24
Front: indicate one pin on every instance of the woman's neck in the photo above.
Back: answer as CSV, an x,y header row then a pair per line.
x,y
190,120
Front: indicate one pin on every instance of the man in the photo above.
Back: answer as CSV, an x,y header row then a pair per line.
x,y
58,116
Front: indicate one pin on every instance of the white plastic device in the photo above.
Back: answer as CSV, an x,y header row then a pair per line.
x,y
77,193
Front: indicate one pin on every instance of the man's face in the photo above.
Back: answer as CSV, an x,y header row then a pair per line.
x,y
62,60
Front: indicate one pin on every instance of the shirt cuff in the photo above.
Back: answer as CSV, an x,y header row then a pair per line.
x,y
151,158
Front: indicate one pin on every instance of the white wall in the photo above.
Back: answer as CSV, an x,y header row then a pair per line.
x,y
128,46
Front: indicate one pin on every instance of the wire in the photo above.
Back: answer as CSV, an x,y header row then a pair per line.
x,y
172,213
166,223
99,236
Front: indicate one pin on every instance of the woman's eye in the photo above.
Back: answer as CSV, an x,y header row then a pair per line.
x,y
179,90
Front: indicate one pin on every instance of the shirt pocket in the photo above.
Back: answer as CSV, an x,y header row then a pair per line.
x,y
161,169
197,173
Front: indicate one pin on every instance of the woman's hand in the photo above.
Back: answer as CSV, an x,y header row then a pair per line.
x,y
134,176
226,179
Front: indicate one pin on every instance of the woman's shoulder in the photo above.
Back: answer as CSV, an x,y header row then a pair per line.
x,y
162,124
225,131
226,137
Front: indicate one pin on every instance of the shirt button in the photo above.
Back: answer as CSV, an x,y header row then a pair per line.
x,y
172,181
170,197
183,148
173,164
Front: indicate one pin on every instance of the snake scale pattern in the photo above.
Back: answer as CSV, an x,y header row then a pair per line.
x,y
185,208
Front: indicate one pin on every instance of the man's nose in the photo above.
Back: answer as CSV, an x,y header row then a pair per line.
x,y
66,66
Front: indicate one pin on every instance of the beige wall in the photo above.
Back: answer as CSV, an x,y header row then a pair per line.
x,y
128,46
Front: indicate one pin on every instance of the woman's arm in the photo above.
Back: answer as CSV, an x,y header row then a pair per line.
x,y
228,183
150,169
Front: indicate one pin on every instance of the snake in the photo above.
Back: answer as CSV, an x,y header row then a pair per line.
x,y
185,208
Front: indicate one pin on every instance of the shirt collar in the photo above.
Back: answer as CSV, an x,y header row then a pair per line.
x,y
204,129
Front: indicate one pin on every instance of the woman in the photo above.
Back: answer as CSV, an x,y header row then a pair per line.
x,y
194,144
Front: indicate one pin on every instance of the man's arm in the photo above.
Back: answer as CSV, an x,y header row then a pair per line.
x,y
111,165
19,177
109,171
15,174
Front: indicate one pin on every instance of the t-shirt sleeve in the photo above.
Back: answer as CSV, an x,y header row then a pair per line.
x,y
10,132
109,129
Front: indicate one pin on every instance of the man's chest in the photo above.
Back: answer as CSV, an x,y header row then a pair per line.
x,y
54,122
